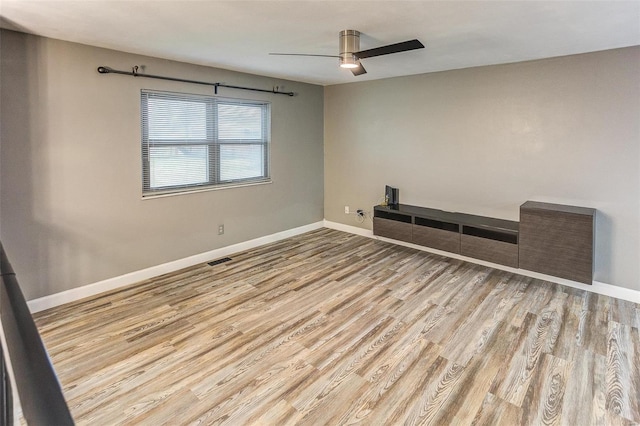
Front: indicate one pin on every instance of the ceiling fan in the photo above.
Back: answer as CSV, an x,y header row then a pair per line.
x,y
350,53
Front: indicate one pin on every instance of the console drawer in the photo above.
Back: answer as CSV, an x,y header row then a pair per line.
x,y
392,229
437,238
495,251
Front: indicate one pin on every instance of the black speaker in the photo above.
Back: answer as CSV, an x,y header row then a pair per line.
x,y
391,196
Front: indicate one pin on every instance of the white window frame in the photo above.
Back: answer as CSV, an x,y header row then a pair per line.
x,y
212,141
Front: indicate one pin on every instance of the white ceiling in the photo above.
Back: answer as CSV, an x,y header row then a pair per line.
x,y
238,35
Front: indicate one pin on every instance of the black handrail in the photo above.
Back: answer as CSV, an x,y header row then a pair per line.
x,y
6,398
40,393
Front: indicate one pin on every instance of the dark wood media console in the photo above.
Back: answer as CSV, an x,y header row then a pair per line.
x,y
485,238
550,238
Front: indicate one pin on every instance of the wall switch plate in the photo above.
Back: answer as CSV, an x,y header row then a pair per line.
x,y
220,229
346,209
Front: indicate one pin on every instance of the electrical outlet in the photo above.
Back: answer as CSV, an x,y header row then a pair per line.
x,y
346,209
220,229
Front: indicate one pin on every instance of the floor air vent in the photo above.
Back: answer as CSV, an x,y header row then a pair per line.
x,y
219,261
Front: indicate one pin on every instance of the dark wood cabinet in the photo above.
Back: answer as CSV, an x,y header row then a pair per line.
x,y
490,239
551,239
557,240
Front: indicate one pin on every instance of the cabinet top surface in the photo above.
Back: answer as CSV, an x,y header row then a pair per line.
x,y
452,217
537,205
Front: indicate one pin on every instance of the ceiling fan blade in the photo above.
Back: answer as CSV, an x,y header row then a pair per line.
x,y
389,49
358,71
304,54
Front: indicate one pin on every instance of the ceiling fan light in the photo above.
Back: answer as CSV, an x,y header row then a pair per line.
x,y
349,63
349,44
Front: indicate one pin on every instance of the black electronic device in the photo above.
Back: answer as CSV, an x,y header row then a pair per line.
x,y
391,196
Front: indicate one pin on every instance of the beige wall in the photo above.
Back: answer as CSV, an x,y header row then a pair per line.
x,y
71,211
484,140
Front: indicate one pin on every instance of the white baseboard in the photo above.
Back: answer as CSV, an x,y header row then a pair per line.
x,y
596,287
57,299
348,228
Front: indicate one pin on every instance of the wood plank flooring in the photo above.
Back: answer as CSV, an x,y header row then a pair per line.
x,y
333,328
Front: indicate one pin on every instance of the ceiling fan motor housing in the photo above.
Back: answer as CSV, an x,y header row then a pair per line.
x,y
349,44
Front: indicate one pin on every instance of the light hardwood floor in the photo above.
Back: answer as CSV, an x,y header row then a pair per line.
x,y
333,328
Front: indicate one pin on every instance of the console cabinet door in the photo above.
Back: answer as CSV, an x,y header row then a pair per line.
x,y
557,242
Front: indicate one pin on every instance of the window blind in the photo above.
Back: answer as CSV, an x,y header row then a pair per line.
x,y
191,142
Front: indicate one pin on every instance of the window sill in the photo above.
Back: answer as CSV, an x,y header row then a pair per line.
x,y
207,189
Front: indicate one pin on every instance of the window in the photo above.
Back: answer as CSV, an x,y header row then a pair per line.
x,y
191,142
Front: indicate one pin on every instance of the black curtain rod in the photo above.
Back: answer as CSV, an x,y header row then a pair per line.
x,y
134,72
